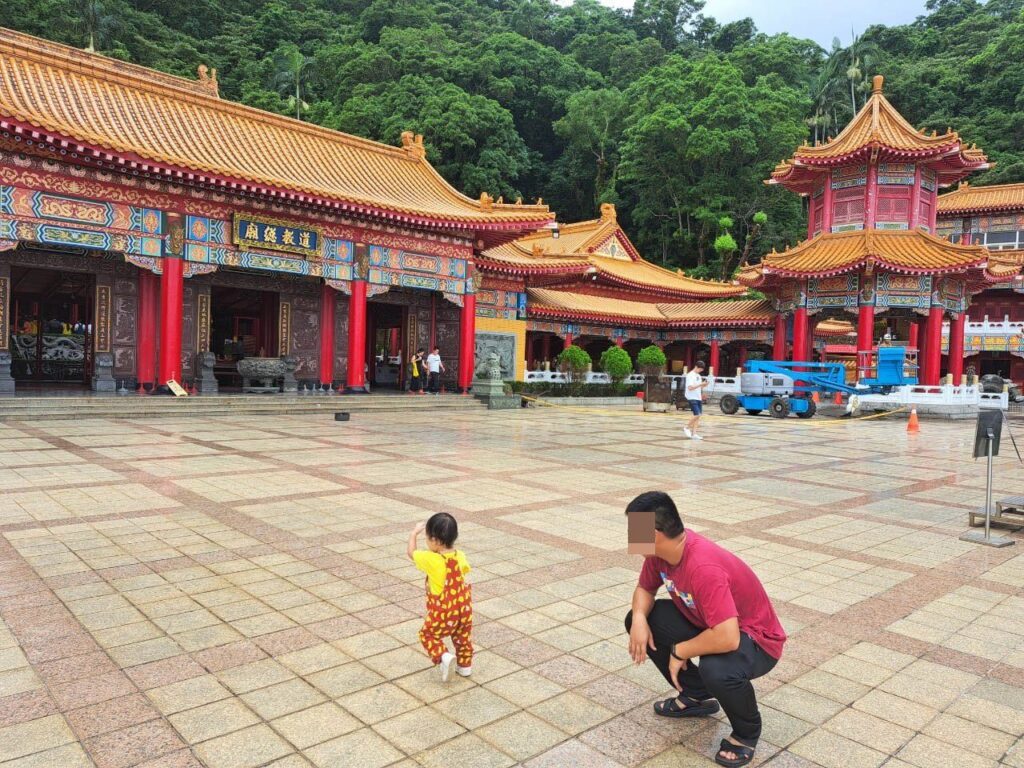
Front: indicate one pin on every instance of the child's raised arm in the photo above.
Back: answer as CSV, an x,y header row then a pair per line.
x,y
412,540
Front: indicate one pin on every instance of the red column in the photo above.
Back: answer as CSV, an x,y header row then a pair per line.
x,y
546,346
467,342
171,304
619,342
826,201
956,346
742,356
715,358
810,216
689,356
865,339
800,334
933,347
913,334
922,349
149,309
356,380
568,341
779,338
871,196
915,200
326,334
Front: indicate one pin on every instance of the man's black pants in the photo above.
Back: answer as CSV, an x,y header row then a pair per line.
x,y
434,380
723,676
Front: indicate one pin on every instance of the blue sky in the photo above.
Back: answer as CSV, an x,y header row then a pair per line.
x,y
819,20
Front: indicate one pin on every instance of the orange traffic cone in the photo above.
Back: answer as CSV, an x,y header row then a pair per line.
x,y
912,425
815,397
838,399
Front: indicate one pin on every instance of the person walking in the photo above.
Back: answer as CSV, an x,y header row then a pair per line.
x,y
416,370
695,386
434,370
717,610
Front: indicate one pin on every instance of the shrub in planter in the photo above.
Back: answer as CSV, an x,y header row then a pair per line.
x,y
651,361
574,362
616,363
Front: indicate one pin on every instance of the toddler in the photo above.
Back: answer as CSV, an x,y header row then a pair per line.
x,y
449,598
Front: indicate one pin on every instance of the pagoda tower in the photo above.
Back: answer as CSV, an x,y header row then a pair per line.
x,y
871,248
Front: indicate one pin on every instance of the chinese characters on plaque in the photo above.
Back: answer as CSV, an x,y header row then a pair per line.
x,y
258,232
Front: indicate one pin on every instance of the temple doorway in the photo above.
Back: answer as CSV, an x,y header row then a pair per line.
x,y
386,339
243,323
51,327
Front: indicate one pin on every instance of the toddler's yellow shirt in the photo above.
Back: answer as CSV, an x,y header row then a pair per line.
x,y
434,565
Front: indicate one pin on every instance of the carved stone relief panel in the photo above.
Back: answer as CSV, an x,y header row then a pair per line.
x,y
304,342
126,317
340,336
188,331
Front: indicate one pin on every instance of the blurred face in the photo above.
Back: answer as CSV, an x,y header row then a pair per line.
x,y
642,536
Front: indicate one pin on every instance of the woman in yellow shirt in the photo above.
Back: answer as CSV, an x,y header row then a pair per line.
x,y
449,596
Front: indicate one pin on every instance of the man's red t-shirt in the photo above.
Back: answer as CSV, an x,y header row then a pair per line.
x,y
711,585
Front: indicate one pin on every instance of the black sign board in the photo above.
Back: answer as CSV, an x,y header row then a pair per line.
x,y
988,422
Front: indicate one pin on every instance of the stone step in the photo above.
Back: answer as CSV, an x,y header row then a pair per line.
x,y
135,406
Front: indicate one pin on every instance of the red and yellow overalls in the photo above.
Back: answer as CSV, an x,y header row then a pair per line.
x,y
450,614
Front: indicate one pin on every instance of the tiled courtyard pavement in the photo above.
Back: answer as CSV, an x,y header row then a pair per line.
x,y
235,592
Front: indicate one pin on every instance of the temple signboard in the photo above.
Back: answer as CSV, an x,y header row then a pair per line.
x,y
260,232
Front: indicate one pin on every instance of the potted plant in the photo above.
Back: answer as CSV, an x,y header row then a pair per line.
x,y
574,362
616,363
657,390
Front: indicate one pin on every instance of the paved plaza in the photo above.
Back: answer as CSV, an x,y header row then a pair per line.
x,y
235,592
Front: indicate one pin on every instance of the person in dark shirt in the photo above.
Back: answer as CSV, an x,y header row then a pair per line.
x,y
716,609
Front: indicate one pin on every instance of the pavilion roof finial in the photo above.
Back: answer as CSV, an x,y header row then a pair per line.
x,y
876,83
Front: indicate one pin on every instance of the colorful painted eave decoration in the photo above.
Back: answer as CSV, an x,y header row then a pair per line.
x,y
910,252
63,100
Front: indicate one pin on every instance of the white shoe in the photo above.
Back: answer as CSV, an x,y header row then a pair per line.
x,y
464,671
687,432
446,666
695,436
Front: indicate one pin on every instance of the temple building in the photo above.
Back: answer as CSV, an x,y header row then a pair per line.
x,y
586,284
151,231
991,216
872,251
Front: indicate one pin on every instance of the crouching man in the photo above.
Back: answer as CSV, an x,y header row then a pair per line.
x,y
717,610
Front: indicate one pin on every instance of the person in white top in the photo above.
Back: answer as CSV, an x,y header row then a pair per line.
x,y
695,397
434,368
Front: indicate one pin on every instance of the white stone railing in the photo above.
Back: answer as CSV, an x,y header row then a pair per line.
x,y
986,327
942,394
717,385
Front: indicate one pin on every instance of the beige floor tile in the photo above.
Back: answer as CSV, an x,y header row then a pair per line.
x,y
363,748
34,736
418,730
211,720
248,748
315,725
522,735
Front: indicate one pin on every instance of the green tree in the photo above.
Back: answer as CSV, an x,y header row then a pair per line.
x,y
592,131
291,67
616,363
698,144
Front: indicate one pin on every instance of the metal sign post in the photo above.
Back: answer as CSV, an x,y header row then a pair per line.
x,y
986,443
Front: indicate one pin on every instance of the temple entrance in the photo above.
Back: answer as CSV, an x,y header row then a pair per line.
x,y
243,323
385,341
51,326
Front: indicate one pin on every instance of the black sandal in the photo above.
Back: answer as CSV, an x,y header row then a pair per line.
x,y
744,754
693,708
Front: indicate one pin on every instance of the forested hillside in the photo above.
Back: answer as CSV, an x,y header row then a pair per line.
x,y
672,116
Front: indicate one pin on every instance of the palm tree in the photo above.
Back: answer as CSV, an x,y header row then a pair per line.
x,y
290,69
860,56
824,92
94,20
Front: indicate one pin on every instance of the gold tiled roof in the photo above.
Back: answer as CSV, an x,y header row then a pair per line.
x,y
583,247
879,124
968,199
144,116
909,251
547,302
834,327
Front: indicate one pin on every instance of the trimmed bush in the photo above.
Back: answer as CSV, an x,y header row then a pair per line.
x,y
650,359
616,363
